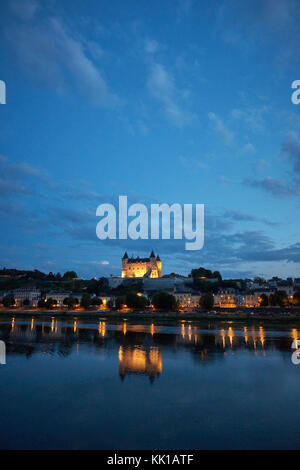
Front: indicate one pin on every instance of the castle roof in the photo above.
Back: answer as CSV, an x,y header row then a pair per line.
x,y
132,259
138,260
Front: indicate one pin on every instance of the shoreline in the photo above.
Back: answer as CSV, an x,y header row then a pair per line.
x,y
287,314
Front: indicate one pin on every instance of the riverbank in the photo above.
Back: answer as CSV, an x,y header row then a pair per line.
x,y
247,314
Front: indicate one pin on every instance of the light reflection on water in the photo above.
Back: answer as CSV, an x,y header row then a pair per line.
x,y
127,385
139,358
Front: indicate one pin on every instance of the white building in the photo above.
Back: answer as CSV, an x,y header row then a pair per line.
x,y
114,281
31,294
187,299
60,296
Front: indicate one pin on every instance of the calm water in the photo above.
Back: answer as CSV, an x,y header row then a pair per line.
x,y
92,385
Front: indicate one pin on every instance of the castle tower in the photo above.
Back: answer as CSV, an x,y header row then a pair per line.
x,y
158,263
124,264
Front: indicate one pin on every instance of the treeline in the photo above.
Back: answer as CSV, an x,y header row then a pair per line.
x,y
37,275
280,299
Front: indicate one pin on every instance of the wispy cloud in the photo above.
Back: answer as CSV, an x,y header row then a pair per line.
x,y
252,117
239,216
191,163
162,86
241,24
291,150
24,10
275,186
52,54
221,129
278,187
151,46
19,178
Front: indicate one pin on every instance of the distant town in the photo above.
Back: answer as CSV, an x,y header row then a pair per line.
x,y
141,286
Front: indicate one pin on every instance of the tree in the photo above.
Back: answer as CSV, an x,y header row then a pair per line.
x,y
110,303
134,300
49,303
86,301
296,299
41,303
26,302
206,301
8,301
96,301
164,301
202,273
69,275
70,301
263,300
280,298
120,302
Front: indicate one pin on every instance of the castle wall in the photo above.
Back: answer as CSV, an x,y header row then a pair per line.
x,y
139,268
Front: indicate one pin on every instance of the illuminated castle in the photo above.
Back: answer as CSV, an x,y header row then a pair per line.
x,y
141,267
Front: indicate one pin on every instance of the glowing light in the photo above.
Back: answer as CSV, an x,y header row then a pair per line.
x,y
261,336
223,337
101,328
295,336
246,334
254,337
230,335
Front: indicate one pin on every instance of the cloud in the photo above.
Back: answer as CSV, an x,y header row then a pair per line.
x,y
80,194
244,217
247,149
290,152
50,53
71,227
183,8
225,180
241,24
191,163
275,186
220,129
18,178
290,253
25,10
10,188
252,117
291,149
151,46
162,86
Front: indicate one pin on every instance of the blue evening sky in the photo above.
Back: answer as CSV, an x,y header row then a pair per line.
x,y
163,101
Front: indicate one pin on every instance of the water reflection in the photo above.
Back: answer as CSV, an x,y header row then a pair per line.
x,y
140,360
140,346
